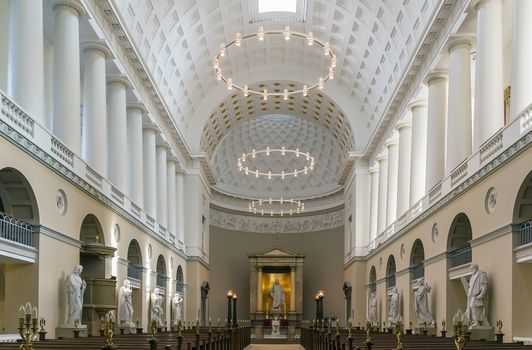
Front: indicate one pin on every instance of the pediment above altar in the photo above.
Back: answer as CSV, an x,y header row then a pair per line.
x,y
276,252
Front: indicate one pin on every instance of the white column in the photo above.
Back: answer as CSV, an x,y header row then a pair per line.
x,y
162,184
172,194
149,176
404,128
259,288
135,112
180,206
437,112
293,287
374,202
94,146
459,119
66,81
117,131
489,86
393,171
361,209
383,187
26,57
418,167
521,88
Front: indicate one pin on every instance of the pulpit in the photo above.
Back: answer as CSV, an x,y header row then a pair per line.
x,y
268,268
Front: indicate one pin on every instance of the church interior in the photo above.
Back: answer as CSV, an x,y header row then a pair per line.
x,y
265,174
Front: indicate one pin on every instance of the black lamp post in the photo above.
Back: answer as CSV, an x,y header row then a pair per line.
x,y
235,297
317,309
229,309
320,296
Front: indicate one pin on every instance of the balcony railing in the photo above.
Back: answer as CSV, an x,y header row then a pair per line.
x,y
417,271
372,287
15,230
160,281
134,272
459,256
525,233
390,281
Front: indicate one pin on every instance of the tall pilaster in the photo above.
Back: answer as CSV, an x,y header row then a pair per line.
x,y
94,144
293,288
26,57
180,206
521,93
459,119
66,82
383,187
117,131
404,128
162,184
149,133
135,112
437,112
489,88
259,288
393,171
418,166
374,202
361,209
172,194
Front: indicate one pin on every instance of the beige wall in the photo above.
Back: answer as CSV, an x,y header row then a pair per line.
x,y
322,268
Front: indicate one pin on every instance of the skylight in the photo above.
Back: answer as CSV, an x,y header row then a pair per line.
x,y
277,6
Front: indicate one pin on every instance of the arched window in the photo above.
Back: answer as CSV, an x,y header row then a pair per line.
x,y
179,281
458,246
161,272
372,286
523,212
390,272
134,258
417,257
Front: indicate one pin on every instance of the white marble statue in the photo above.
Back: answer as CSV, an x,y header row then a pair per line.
x,y
477,297
393,312
75,288
176,306
277,294
157,307
421,303
276,326
125,305
372,309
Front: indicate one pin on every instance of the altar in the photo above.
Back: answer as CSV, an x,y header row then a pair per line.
x,y
276,277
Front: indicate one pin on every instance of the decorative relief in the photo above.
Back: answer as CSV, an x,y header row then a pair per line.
x,y
402,251
313,223
150,251
116,233
61,202
435,232
491,200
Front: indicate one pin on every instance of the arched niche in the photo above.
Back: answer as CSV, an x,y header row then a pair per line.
x,y
390,272
523,202
417,257
372,279
161,272
93,249
458,241
17,198
134,258
180,281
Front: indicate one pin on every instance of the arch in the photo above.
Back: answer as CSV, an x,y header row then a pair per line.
x,y
180,280
17,198
417,257
458,246
390,272
523,202
161,272
134,253
91,230
372,279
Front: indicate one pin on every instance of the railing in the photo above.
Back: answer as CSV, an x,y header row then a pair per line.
x,y
160,281
134,272
417,271
459,256
15,230
180,287
372,287
390,281
525,233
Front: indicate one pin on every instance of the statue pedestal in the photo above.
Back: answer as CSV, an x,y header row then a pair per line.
x,y
482,333
66,331
430,330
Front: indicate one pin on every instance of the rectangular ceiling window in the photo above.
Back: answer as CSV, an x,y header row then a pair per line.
x,y
277,10
277,6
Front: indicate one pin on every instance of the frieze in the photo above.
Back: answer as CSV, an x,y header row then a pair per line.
x,y
261,224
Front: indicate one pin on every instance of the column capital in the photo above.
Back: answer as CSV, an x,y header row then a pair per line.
x,y
477,4
374,169
150,127
417,102
404,123
435,75
72,5
119,79
456,42
97,46
136,105
172,158
383,156
163,144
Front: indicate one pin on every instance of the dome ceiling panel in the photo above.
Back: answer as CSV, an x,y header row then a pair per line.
x,y
178,39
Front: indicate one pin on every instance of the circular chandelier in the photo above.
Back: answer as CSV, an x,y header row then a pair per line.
x,y
309,162
276,206
287,34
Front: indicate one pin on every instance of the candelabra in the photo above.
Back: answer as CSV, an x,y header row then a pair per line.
x,y
459,336
399,328
443,329
368,343
42,331
109,332
499,334
153,339
27,326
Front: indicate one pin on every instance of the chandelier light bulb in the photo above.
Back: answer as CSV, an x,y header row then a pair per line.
x,y
310,39
244,157
305,90
320,84
265,95
218,75
283,151
326,49
238,39
333,61
215,63
229,84
267,151
270,201
257,173
305,171
222,50
285,94
297,152
295,173
287,33
246,91
246,170
269,175
282,175
331,73
261,33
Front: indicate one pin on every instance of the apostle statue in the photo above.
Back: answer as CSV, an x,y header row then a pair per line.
x,y
125,305
157,307
393,312
372,309
176,306
277,294
421,303
477,297
75,288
